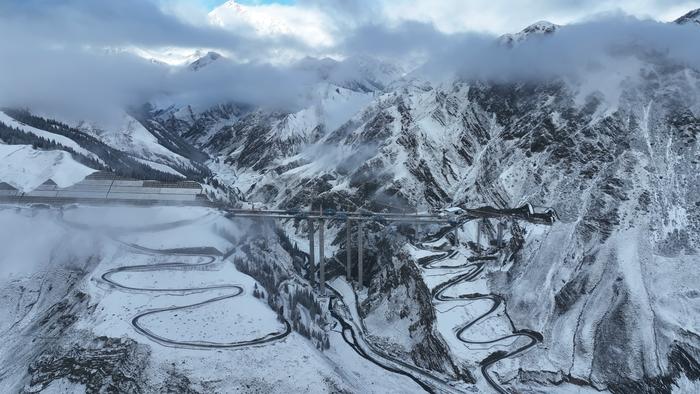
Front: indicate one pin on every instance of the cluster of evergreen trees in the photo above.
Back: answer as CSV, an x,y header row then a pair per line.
x,y
116,161
303,298
15,136
257,293
270,277
298,257
306,299
320,338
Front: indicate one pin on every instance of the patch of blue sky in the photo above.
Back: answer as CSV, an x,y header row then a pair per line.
x,y
211,4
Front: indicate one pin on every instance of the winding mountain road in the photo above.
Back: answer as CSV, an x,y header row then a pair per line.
x,y
474,269
353,332
235,291
353,335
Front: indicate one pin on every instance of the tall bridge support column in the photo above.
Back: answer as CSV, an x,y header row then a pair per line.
x,y
456,235
321,257
478,235
312,263
499,240
360,236
418,226
348,254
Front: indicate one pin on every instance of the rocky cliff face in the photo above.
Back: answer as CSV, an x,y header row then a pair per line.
x,y
47,307
619,178
398,310
620,170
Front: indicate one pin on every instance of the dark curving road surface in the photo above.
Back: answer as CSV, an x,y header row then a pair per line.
x,y
473,270
353,334
351,338
235,291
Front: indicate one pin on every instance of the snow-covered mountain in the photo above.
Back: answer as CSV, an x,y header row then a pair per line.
x,y
597,284
127,146
537,29
361,73
611,286
692,17
204,61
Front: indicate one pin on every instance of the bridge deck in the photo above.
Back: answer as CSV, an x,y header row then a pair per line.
x,y
107,188
104,187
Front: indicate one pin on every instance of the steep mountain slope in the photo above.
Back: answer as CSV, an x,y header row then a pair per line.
x,y
541,28
25,168
620,170
129,149
692,17
204,61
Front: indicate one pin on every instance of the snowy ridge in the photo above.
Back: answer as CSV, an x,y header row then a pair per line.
x,y
25,168
59,139
204,61
691,18
501,145
128,134
538,29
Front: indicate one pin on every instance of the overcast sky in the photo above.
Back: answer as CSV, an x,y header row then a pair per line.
x,y
89,54
494,16
287,29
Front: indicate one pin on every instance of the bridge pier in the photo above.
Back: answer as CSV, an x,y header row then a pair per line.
x,y
312,263
321,257
348,254
418,226
478,235
499,239
359,254
456,235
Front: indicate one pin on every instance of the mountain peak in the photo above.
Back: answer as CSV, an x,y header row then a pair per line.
x,y
692,17
360,73
205,60
540,28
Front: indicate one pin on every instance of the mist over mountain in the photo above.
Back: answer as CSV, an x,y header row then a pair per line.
x,y
558,162
48,68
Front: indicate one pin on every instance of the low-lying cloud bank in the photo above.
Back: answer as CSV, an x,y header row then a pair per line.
x,y
71,56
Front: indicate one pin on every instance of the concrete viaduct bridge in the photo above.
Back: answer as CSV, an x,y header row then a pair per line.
x,y
108,188
317,223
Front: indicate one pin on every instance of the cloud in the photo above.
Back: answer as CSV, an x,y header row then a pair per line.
x,y
141,23
503,16
575,49
569,52
307,24
70,55
85,84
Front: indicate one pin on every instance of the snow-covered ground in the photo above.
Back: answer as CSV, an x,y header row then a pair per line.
x,y
462,304
159,167
348,309
26,168
111,238
128,134
57,138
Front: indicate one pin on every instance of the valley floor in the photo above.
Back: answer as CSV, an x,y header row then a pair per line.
x,y
167,279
